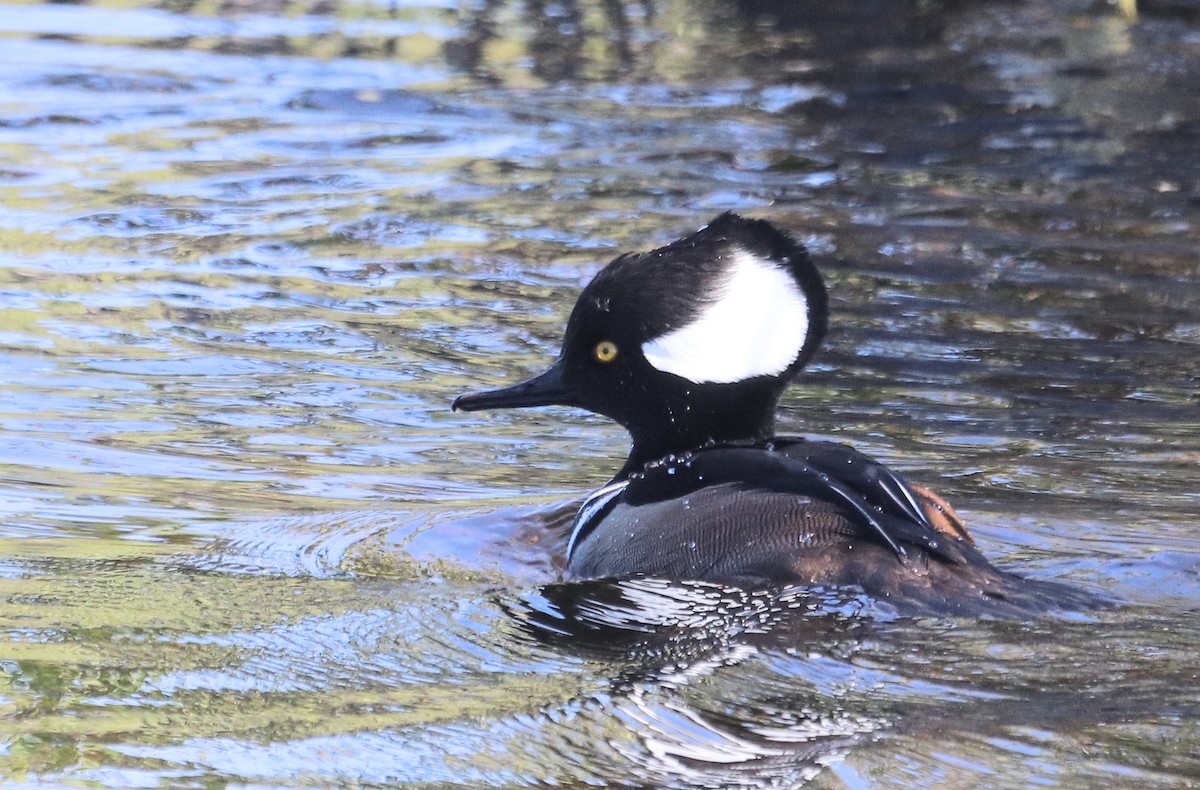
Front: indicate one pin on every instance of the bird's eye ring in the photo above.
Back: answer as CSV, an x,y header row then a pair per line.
x,y
605,351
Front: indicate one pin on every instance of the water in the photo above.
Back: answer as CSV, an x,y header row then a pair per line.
x,y
251,252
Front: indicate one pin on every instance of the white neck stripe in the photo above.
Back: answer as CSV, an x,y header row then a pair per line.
x,y
590,509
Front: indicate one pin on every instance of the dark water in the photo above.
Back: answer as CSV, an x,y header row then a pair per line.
x,y
249,253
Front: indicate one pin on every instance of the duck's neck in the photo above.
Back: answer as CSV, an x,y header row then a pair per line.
x,y
690,435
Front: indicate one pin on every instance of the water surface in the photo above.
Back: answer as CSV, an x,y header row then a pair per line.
x,y
250,253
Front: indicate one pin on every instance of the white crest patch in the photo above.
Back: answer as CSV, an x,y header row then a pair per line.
x,y
755,326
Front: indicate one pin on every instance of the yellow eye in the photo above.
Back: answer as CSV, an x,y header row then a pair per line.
x,y
605,351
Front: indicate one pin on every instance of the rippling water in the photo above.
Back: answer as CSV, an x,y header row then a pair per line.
x,y
249,253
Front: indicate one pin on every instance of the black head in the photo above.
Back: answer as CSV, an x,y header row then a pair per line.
x,y
689,343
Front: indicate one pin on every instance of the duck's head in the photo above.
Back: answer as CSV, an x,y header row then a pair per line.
x,y
686,344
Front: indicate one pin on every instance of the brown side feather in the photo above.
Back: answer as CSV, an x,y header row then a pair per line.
x,y
943,517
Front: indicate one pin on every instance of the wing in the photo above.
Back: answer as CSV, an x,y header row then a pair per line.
x,y
877,502
882,487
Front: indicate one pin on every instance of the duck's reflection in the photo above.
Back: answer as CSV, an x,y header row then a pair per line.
x,y
667,641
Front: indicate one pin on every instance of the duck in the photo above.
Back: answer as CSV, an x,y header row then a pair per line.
x,y
690,347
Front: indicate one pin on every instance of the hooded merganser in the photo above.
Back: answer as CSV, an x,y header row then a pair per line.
x,y
690,347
